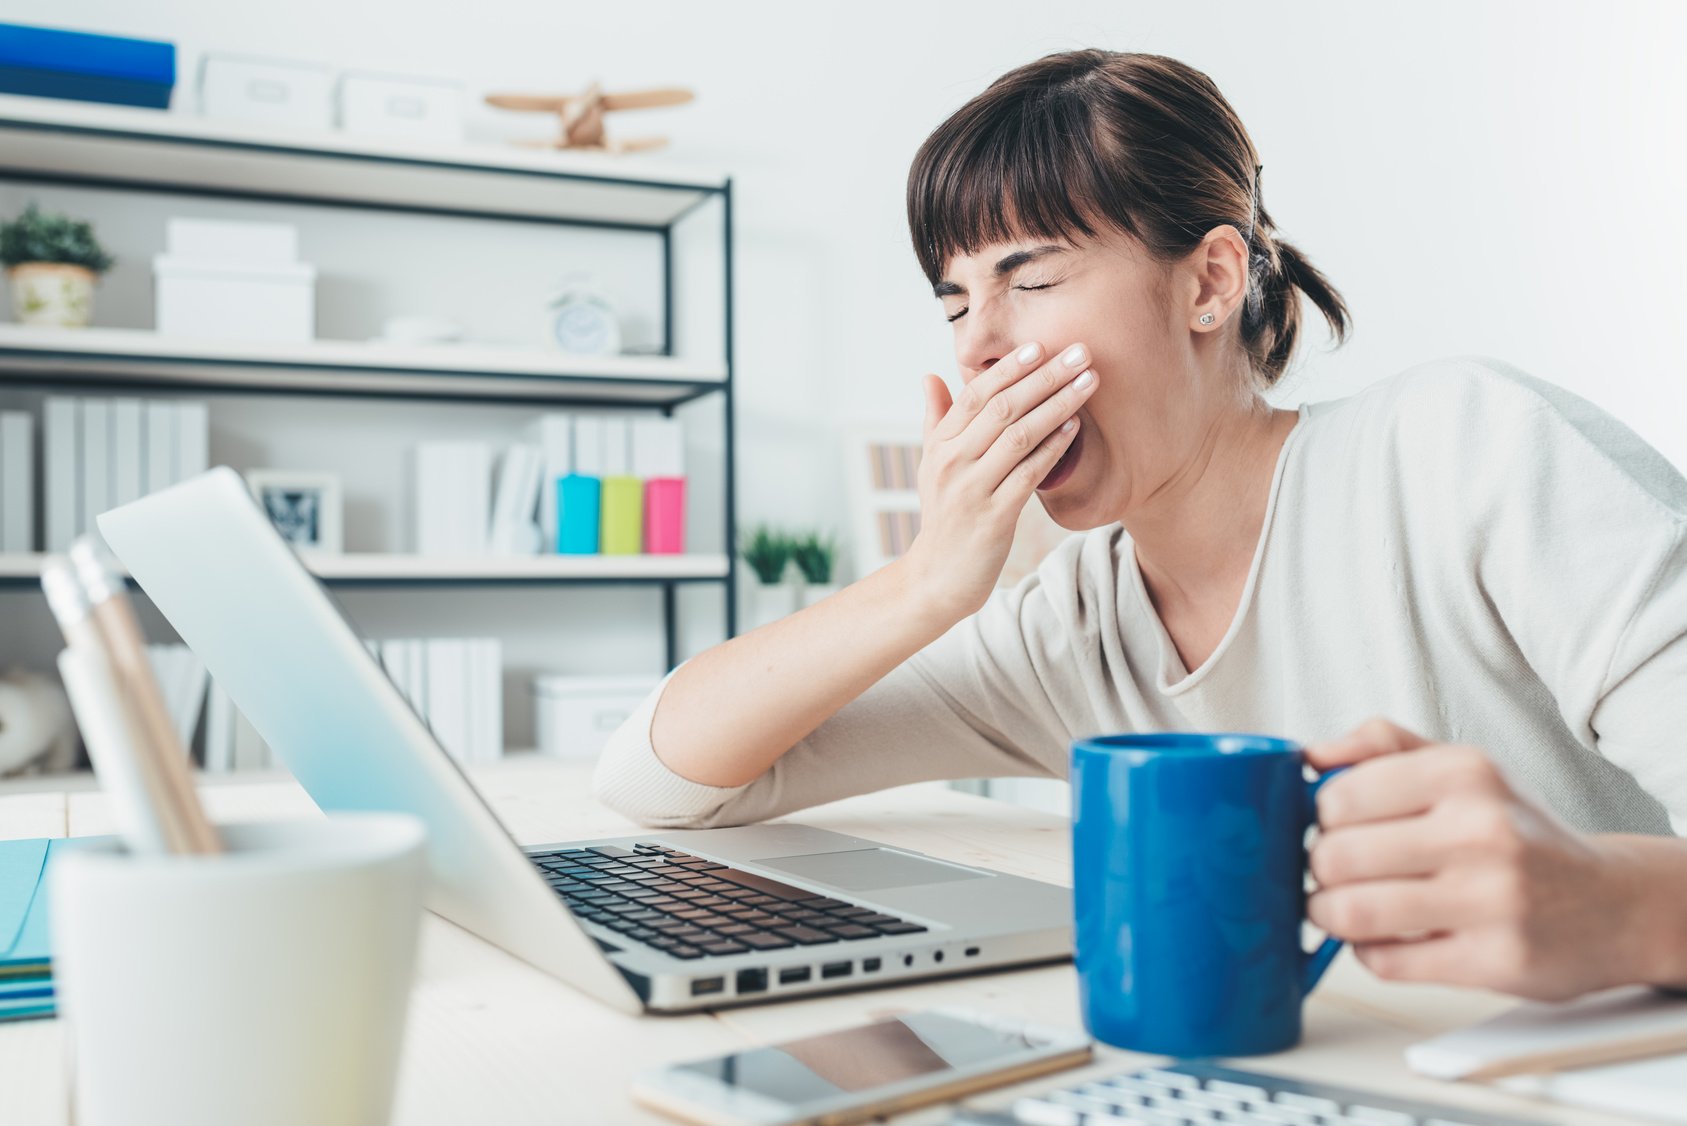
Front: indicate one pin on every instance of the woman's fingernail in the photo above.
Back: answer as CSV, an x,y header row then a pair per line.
x,y
1029,352
1074,356
1083,381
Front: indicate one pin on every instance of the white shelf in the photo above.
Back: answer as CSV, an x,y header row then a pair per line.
x,y
361,567
468,371
64,140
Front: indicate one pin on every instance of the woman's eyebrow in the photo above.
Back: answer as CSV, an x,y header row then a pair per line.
x,y
1007,265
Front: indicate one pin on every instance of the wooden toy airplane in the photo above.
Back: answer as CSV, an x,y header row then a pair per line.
x,y
582,115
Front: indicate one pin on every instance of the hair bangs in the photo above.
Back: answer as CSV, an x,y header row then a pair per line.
x,y
994,176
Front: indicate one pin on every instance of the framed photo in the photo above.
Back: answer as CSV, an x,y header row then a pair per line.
x,y
304,507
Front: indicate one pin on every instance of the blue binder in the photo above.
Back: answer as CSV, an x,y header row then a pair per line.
x,y
47,62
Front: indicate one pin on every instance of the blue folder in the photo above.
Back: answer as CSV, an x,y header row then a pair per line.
x,y
47,62
26,964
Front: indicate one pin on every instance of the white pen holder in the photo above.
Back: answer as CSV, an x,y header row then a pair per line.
x,y
264,986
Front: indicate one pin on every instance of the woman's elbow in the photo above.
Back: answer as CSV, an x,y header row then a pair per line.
x,y
649,803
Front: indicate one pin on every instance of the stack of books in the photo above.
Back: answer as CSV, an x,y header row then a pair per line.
x,y
455,685
100,453
579,484
26,968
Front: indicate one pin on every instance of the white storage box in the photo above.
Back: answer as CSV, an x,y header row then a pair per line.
x,y
222,240
267,91
235,301
575,715
391,105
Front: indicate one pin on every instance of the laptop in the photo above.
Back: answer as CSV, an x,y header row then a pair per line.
x,y
664,921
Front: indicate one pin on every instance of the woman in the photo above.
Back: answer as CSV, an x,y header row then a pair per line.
x,y
1491,563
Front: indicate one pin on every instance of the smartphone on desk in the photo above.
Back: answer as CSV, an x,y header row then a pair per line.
x,y
856,1073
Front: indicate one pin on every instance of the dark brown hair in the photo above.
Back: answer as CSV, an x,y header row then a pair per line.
x,y
1142,143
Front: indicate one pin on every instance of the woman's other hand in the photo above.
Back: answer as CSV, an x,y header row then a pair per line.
x,y
984,454
1436,869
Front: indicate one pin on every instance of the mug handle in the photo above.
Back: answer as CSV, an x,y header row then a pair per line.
x,y
1317,961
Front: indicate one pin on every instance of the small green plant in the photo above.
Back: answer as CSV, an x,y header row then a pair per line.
x,y
767,552
37,237
815,557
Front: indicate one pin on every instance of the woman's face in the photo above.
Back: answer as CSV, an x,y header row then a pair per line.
x,y
1154,407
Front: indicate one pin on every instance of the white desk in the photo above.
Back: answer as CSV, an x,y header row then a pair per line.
x,y
493,1041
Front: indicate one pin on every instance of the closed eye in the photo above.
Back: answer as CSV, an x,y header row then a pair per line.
x,y
962,312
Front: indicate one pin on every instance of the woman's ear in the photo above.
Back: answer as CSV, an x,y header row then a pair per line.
x,y
1220,271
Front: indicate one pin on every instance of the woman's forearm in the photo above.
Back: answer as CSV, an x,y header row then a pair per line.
x,y
728,713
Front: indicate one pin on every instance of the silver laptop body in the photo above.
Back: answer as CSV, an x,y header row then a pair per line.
x,y
270,634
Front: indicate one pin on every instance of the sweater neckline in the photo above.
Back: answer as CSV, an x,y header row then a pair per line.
x,y
1172,678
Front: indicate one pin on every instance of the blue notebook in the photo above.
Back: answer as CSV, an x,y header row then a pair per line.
x,y
26,967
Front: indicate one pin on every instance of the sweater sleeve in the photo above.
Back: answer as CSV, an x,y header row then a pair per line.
x,y
1582,550
1640,720
972,704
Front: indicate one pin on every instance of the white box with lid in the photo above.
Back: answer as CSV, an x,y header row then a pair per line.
x,y
393,105
575,715
225,280
266,91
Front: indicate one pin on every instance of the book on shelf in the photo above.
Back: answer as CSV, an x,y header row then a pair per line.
x,y
98,453
452,497
17,481
520,471
454,685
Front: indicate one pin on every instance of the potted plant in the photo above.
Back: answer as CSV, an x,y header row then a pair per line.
x,y
768,553
52,261
815,558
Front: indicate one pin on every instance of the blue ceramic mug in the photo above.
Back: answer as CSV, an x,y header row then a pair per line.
x,y
1188,869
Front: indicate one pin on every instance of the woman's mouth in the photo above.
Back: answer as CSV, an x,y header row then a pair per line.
x,y
1063,468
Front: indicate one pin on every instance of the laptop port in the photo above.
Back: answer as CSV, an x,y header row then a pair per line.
x,y
703,986
752,981
972,952
795,974
870,965
835,969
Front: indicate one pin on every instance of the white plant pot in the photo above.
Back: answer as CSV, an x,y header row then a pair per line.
x,y
814,592
55,294
770,601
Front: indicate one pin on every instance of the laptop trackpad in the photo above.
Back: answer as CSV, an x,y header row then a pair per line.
x,y
870,869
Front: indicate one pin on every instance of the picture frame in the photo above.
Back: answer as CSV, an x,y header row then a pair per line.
x,y
306,508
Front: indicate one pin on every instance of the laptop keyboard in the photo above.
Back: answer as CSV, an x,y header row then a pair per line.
x,y
690,907
1201,1094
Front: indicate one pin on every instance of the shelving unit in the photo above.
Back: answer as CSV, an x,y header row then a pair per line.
x,y
50,142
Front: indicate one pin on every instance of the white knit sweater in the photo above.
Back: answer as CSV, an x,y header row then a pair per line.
x,y
1475,554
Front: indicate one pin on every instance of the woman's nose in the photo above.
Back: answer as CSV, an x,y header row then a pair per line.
x,y
976,352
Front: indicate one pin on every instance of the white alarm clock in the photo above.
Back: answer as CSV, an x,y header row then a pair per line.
x,y
583,321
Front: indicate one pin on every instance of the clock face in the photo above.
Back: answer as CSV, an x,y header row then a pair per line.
x,y
585,329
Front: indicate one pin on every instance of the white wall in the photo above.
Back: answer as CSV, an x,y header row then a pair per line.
x,y
1498,178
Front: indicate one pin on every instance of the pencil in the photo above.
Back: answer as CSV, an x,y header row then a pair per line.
x,y
125,645
112,736
1585,1055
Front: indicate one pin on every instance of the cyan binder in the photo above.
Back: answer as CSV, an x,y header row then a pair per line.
x,y
26,962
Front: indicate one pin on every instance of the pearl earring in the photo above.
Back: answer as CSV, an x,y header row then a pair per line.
x,y
1206,318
